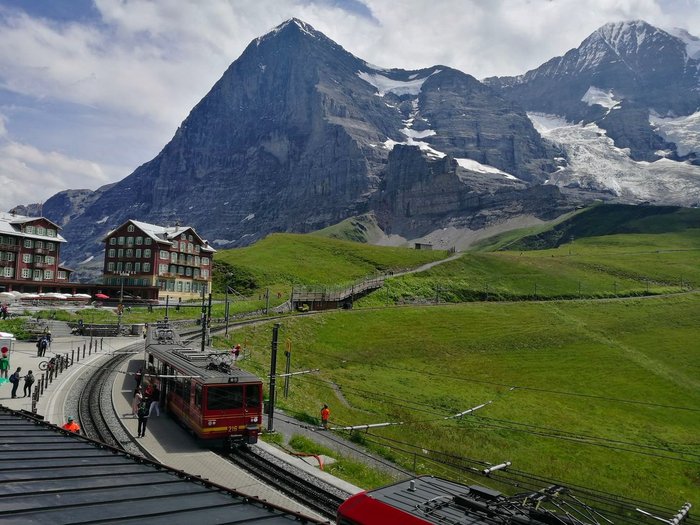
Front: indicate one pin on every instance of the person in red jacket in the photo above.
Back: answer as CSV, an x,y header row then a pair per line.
x,y
72,425
325,414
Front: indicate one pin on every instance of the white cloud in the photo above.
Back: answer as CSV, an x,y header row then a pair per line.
x,y
28,175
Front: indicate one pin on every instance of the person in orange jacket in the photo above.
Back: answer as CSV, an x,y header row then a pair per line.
x,y
72,425
325,414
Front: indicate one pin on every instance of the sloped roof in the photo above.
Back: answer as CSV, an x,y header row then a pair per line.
x,y
49,475
11,224
164,234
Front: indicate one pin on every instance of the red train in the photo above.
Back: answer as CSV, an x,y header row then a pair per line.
x,y
429,501
218,402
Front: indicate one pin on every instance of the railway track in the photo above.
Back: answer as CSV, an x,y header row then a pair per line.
x,y
305,488
95,409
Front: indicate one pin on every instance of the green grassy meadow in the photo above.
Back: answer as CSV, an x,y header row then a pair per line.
x,y
593,267
581,391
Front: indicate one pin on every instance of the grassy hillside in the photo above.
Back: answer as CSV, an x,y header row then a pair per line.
x,y
603,394
606,266
282,260
363,228
605,219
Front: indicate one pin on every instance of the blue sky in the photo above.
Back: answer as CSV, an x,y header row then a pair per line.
x,y
91,89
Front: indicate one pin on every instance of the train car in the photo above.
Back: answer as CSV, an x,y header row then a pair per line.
x,y
217,401
428,500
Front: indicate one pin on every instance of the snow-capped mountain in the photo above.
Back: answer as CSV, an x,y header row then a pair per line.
x,y
633,91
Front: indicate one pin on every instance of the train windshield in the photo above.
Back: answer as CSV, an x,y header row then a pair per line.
x,y
225,397
252,396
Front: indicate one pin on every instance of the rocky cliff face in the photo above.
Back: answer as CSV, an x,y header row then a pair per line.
x,y
297,135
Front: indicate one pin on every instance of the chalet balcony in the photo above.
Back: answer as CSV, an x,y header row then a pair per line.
x,y
5,264
9,247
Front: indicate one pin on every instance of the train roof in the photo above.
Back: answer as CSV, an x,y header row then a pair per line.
x,y
439,501
52,476
209,367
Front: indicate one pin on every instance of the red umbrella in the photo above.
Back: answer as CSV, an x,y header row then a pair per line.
x,y
101,296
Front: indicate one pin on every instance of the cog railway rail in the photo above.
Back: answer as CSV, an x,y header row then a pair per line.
x,y
307,489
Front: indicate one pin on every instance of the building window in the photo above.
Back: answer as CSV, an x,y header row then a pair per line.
x,y
10,256
39,245
61,274
26,257
138,253
48,275
120,252
196,272
205,261
183,246
129,252
112,241
8,271
38,259
127,267
179,286
181,270
28,243
164,254
37,275
49,259
110,267
187,286
148,240
130,241
173,257
130,228
120,266
26,273
29,229
50,232
196,248
147,254
188,271
162,268
112,252
40,230
139,240
120,240
196,260
205,274
146,267
50,246
137,267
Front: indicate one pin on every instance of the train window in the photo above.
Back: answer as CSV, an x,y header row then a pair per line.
x,y
252,396
198,396
186,391
224,397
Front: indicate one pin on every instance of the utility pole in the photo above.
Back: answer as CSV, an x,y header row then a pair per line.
x,y
273,378
209,321
287,367
203,320
267,301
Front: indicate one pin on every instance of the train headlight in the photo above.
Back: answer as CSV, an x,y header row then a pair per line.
x,y
254,419
212,422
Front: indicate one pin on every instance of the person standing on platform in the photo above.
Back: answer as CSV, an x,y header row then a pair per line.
x,y
71,425
14,379
325,414
4,365
137,377
138,399
28,382
154,399
142,414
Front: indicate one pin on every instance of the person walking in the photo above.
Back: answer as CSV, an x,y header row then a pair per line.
x,y
28,382
142,414
71,425
14,379
4,365
325,414
137,377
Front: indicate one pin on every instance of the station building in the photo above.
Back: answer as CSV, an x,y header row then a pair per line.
x,y
175,259
30,251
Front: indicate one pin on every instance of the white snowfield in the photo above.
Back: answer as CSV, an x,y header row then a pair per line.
x,y
595,163
596,95
472,165
386,85
683,131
